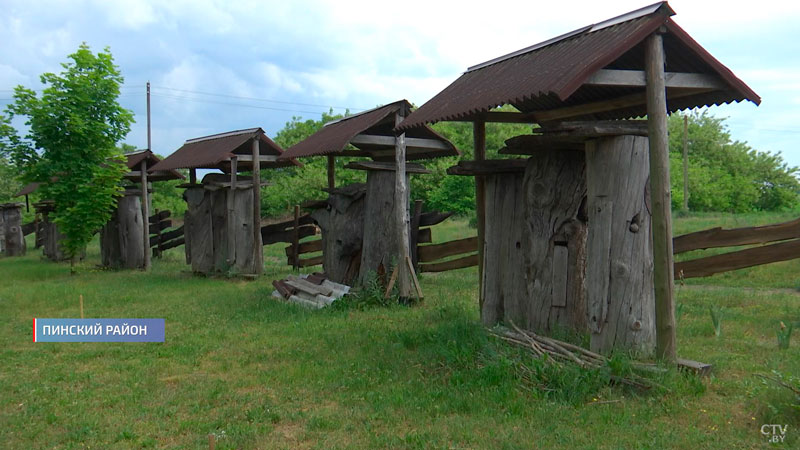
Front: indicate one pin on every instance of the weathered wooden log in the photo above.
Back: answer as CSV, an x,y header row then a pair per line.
x,y
305,262
267,230
13,237
198,230
619,269
305,247
433,218
173,243
380,238
288,235
487,167
503,281
121,245
28,228
554,243
703,267
246,258
342,224
717,237
429,253
160,226
223,261
168,236
453,264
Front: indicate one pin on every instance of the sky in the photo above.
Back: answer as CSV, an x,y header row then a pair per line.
x,y
217,66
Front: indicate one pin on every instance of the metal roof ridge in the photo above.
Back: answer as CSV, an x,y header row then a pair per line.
x,y
222,135
136,152
641,12
363,112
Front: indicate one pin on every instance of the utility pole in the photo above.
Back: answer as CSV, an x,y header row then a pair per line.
x,y
685,163
149,144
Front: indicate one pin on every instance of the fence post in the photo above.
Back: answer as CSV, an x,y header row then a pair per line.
x,y
296,239
158,235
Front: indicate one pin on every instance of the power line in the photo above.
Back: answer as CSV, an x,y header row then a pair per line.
x,y
256,99
241,105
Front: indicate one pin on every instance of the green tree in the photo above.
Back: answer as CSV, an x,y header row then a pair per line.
x,y
71,144
726,175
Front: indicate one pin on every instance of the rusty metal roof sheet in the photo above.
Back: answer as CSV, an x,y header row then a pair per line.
x,y
29,188
134,161
212,152
551,75
334,137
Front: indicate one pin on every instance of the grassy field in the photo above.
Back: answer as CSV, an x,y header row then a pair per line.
x,y
259,373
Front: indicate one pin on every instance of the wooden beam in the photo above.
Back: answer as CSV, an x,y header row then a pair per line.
x,y
660,199
488,167
380,165
717,237
637,78
460,263
250,158
193,176
429,253
145,216
479,144
433,218
258,251
625,101
389,141
594,128
498,117
305,247
401,219
703,267
686,163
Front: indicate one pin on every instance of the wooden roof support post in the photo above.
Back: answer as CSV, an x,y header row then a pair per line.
x,y
231,257
331,171
479,139
401,213
258,248
145,217
660,199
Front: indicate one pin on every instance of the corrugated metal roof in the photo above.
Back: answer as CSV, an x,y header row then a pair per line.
x,y
336,135
134,161
211,152
552,74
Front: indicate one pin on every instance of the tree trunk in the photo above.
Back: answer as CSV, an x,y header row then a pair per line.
x,y
342,224
554,240
11,220
503,283
619,271
381,240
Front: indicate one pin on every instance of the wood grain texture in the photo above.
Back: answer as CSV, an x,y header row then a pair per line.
x,y
429,253
458,263
198,229
718,237
619,267
342,224
553,242
13,236
703,267
381,239
121,245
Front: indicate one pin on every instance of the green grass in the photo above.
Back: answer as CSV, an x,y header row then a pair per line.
x,y
260,373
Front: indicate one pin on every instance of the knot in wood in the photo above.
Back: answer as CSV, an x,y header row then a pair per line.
x,y
620,269
634,227
636,325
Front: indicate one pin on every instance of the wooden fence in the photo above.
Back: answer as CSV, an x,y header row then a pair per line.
x,y
161,237
756,256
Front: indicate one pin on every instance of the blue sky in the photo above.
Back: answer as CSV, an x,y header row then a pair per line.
x,y
266,61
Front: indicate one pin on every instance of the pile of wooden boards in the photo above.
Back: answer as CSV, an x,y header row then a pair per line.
x,y
313,291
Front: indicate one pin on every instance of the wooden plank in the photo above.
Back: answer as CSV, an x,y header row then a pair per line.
x,y
488,167
625,101
231,213
460,263
306,247
379,165
599,247
718,237
174,243
286,236
167,236
433,218
413,232
425,236
699,368
703,267
637,78
594,128
560,271
660,199
28,228
283,226
533,150
159,216
308,287
389,141
429,253
296,237
161,226
258,251
307,262
261,158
